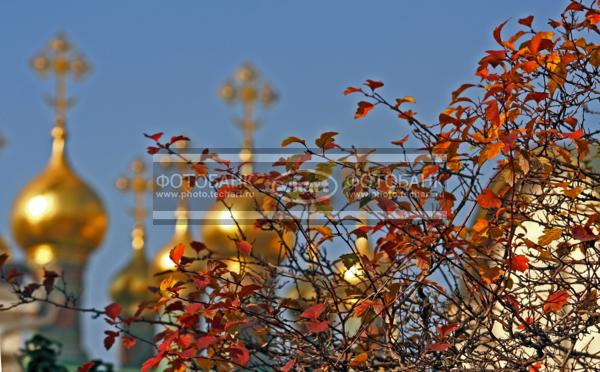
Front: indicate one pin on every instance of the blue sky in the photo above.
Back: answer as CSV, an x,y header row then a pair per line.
x,y
157,66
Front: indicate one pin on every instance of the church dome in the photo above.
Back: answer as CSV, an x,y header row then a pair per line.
x,y
181,235
129,287
58,216
220,229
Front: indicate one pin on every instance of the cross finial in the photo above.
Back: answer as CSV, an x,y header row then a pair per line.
x,y
247,89
60,59
138,185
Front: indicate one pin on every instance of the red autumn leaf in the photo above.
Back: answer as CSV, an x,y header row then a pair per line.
x,y
446,329
574,135
526,21
497,32
400,142
317,326
492,114
571,121
109,340
350,90
152,362
155,137
374,84
152,150
583,233
556,301
574,6
593,17
362,307
205,341
86,367
439,346
113,310
487,199
128,342
288,366
313,312
519,262
244,247
239,354
386,205
363,109
176,253
178,138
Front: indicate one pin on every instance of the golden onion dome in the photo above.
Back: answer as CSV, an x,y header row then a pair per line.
x,y
129,287
220,233
181,235
303,291
57,217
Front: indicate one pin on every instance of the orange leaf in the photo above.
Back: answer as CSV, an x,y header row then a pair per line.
x,y
574,135
176,253
519,262
487,199
374,84
550,235
359,360
350,90
593,17
400,142
529,66
481,225
428,170
556,301
493,149
497,32
362,307
363,109
244,246
526,21
491,274
292,139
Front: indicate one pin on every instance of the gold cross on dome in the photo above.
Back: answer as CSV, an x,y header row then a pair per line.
x,y
138,185
247,89
60,59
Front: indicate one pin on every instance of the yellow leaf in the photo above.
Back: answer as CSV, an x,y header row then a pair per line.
x,y
400,101
550,235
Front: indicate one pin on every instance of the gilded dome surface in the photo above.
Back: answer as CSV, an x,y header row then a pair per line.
x,y
181,235
57,215
129,287
220,231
